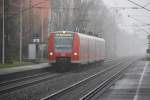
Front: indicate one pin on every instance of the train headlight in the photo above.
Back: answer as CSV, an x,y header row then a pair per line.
x,y
75,53
64,32
51,53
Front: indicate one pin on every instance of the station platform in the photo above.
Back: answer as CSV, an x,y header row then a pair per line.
x,y
5,71
135,85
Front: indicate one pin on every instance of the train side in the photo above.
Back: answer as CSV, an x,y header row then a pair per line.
x,y
92,49
75,48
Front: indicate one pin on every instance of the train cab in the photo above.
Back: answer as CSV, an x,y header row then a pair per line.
x,y
63,47
74,48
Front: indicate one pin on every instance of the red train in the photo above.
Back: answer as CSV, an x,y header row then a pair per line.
x,y
75,48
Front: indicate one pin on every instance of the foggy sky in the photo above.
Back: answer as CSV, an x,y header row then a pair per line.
x,y
129,24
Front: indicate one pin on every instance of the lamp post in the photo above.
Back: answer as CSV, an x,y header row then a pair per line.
x,y
42,22
20,47
3,48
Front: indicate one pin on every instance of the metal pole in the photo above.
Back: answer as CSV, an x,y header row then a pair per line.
x,y
42,37
20,32
3,50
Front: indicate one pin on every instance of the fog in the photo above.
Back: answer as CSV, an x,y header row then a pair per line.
x,y
94,17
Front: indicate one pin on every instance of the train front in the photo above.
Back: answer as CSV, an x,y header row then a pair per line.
x,y
63,48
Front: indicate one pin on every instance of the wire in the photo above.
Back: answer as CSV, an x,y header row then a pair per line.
x,y
13,15
139,20
143,29
147,4
139,5
125,7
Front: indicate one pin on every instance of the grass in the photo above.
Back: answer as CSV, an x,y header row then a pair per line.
x,y
17,64
147,58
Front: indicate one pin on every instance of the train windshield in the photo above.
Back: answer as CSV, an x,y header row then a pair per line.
x,y
63,42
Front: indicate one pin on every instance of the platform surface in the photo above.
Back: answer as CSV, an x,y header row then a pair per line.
x,y
135,85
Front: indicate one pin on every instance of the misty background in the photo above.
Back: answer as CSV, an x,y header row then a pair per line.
x,y
92,17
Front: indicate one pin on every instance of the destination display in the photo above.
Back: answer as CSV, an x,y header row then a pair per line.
x,y
63,34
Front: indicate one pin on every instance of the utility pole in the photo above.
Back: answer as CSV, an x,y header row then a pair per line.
x,y
3,50
21,4
42,22
31,23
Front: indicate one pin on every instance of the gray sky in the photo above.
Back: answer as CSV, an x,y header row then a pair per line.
x,y
138,17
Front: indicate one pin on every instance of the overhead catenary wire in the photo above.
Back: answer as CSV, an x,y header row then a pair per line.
x,y
139,20
123,8
138,26
143,29
147,4
139,5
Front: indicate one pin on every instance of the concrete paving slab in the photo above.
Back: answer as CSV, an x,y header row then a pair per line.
x,y
135,85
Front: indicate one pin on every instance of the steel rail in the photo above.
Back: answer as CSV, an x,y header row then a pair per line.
x,y
22,78
104,85
25,83
63,91
15,84
36,75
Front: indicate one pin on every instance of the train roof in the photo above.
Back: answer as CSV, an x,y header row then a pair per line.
x,y
92,37
63,31
86,35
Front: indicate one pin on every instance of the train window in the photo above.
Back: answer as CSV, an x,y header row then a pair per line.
x,y
63,43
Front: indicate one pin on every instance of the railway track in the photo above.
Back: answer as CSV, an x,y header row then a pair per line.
x,y
105,85
12,85
22,79
37,74
23,82
56,95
